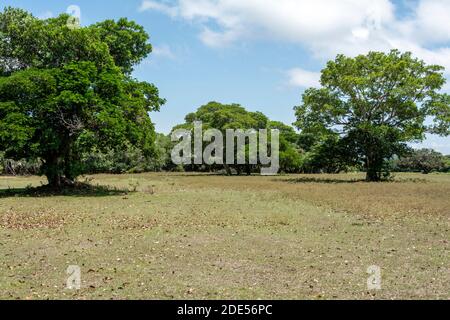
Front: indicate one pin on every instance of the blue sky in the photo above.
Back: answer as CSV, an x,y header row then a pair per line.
x,y
262,53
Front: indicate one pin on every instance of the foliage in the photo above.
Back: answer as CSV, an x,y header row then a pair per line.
x,y
219,116
325,154
65,91
376,103
446,164
423,160
290,155
21,167
127,42
129,160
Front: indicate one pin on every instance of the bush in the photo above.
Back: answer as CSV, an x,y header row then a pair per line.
x,y
424,160
21,167
129,160
446,167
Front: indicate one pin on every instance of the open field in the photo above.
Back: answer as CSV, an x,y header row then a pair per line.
x,y
206,237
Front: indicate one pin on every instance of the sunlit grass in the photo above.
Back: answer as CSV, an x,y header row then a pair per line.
x,y
201,236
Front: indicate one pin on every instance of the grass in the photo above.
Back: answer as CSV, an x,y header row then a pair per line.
x,y
189,236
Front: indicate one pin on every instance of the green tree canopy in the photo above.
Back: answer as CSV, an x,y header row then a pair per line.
x,y
227,116
290,157
376,103
65,90
215,115
423,160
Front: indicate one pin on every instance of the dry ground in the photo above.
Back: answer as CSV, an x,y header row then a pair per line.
x,y
208,237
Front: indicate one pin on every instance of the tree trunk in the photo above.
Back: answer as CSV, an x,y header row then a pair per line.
x,y
248,169
373,170
53,172
373,176
54,180
58,166
227,168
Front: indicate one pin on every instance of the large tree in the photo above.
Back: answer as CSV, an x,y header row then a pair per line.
x,y
215,115
377,103
423,160
65,90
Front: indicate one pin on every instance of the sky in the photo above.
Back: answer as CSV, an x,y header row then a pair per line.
x,y
262,54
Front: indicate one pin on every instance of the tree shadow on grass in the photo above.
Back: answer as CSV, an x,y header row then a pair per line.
x,y
352,181
77,190
197,174
323,180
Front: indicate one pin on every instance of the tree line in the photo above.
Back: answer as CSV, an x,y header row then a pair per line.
x,y
69,105
299,153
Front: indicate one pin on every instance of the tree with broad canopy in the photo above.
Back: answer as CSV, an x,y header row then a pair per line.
x,y
66,90
376,103
423,160
215,115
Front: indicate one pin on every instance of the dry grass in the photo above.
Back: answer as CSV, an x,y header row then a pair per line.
x,y
207,237
15,220
408,194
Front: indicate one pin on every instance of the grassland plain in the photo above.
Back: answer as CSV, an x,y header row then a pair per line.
x,y
194,236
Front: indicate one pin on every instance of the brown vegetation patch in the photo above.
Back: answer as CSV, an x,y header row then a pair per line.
x,y
32,220
404,196
131,223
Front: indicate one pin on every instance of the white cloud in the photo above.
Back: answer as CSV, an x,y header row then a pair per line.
x,y
163,51
433,20
437,143
302,78
158,6
325,27
291,20
218,39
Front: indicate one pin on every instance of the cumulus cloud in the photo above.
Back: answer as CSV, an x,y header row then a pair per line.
x,y
163,51
325,27
218,39
432,23
159,6
298,77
